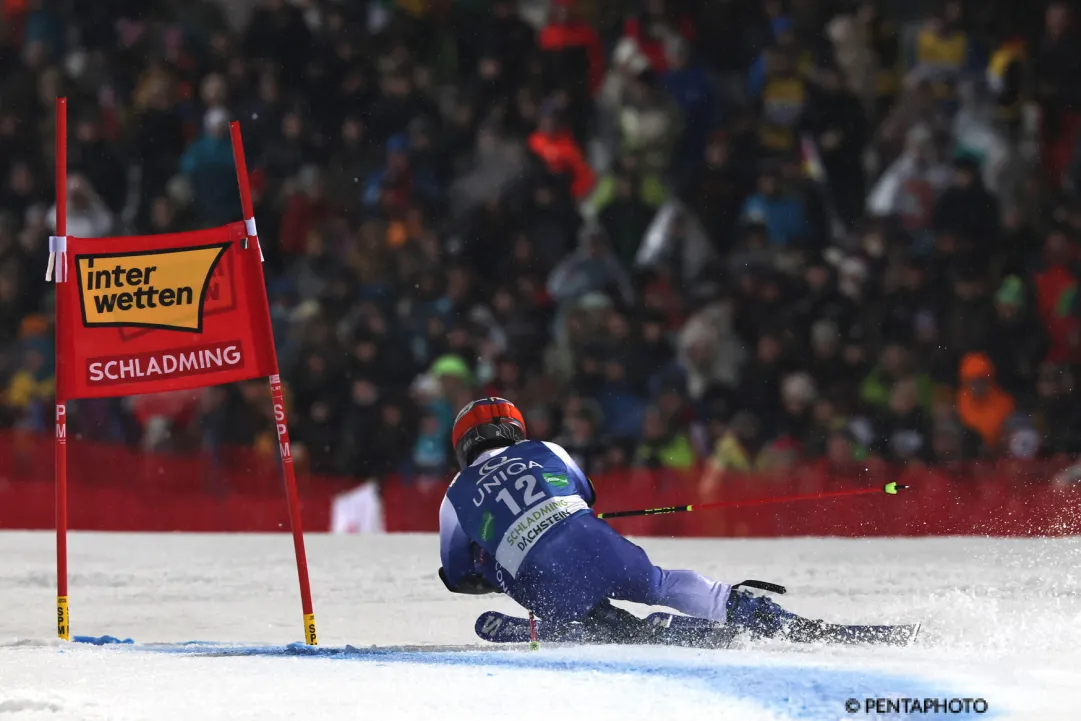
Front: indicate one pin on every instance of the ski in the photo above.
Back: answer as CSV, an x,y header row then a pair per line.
x,y
664,629
674,630
804,631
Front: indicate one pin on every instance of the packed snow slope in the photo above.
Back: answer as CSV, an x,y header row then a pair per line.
x,y
1002,623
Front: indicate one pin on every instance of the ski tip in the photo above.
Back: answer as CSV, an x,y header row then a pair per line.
x,y
893,487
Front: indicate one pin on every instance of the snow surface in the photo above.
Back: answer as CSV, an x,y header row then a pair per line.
x,y
1002,622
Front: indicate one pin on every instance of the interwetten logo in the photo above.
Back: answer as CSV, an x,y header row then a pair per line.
x,y
163,289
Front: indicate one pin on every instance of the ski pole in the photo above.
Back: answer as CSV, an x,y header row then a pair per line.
x,y
534,645
891,489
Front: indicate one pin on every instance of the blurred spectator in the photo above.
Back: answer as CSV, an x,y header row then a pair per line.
x,y
498,161
783,97
837,122
593,268
1017,343
677,241
649,123
580,437
943,53
1056,284
798,394
100,162
981,402
88,216
163,417
948,444
903,427
626,206
1058,71
657,32
781,212
824,364
430,455
305,209
966,209
747,249
710,353
910,187
573,47
894,365
555,145
1021,439
735,451
1059,417
208,165
715,190
689,84
31,387
852,36
969,323
663,446
628,62
760,383
277,30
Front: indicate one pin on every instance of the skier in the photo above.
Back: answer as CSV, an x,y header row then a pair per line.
x,y
517,520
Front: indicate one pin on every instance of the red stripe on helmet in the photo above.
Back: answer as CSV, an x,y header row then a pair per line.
x,y
488,410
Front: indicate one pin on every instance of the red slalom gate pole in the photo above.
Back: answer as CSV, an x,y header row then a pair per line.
x,y
889,489
311,638
293,499
60,470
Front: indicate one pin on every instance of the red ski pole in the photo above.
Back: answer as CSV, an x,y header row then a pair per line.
x,y
891,488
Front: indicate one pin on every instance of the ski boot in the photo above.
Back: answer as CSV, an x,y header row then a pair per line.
x,y
760,617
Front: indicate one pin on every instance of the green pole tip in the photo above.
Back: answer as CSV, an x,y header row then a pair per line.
x,y
890,488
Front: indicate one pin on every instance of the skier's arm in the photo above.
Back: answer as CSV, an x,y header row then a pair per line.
x,y
456,553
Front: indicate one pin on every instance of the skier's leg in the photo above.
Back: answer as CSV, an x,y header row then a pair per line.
x,y
633,577
692,593
584,564
576,567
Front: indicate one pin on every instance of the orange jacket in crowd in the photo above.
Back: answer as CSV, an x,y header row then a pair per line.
x,y
572,33
561,154
984,415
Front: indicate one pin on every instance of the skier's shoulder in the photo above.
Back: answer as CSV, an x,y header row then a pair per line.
x,y
554,449
522,450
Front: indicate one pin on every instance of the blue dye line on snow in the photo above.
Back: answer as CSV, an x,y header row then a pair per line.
x,y
804,692
102,640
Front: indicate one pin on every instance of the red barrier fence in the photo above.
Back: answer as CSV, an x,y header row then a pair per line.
x,y
116,488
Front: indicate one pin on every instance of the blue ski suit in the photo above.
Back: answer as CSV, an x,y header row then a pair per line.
x,y
519,519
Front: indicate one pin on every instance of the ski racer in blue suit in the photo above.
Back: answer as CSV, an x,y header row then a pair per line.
x,y
517,520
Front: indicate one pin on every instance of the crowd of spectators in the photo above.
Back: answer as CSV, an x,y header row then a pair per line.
x,y
724,234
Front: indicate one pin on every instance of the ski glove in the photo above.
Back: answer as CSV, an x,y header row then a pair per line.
x,y
472,584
